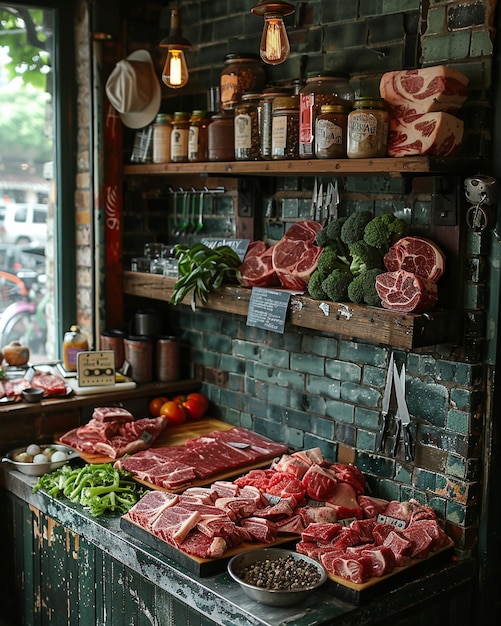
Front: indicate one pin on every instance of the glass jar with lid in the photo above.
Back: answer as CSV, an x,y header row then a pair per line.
x,y
242,72
367,129
319,89
247,143
222,137
330,132
179,137
285,128
198,136
162,130
266,109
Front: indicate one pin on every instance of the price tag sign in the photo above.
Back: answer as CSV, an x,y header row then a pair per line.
x,y
96,368
268,309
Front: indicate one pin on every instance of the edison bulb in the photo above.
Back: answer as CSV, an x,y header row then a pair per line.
x,y
274,48
175,72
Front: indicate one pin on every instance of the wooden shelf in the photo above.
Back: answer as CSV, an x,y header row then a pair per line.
x,y
399,330
315,167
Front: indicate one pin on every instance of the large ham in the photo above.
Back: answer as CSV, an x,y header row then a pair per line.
x,y
295,256
436,133
437,88
406,292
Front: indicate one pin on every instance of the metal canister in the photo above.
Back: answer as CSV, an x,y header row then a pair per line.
x,y
162,130
367,129
242,72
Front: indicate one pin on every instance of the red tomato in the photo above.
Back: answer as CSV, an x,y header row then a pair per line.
x,y
155,405
174,412
195,405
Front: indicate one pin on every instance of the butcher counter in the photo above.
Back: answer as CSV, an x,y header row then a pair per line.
x,y
71,568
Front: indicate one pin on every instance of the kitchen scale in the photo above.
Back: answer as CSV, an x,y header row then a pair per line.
x,y
96,373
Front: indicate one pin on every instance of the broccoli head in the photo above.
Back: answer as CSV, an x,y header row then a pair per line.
x,y
362,289
364,257
354,226
322,238
336,285
329,260
383,231
334,228
315,286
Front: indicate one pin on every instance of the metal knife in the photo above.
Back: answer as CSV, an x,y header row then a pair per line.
x,y
385,407
404,413
327,204
320,203
333,208
313,209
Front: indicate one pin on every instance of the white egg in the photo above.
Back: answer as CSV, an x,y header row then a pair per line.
x,y
58,456
39,458
33,449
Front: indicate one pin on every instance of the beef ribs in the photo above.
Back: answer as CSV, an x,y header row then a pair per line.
x,y
296,255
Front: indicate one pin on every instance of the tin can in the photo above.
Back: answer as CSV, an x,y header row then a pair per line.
x,y
247,142
198,136
162,130
319,89
367,129
167,359
285,128
179,137
242,72
330,132
222,138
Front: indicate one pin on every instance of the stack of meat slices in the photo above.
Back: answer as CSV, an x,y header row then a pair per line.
x,y
423,103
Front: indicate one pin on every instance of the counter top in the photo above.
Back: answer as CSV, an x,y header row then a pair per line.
x,y
218,597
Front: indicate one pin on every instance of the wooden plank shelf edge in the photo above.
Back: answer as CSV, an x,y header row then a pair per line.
x,y
399,330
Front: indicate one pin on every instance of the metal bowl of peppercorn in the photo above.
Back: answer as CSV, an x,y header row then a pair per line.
x,y
275,576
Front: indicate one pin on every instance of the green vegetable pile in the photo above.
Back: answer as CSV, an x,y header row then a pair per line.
x,y
98,488
354,249
202,270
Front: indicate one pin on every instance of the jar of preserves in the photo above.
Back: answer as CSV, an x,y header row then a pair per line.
x,y
330,132
247,143
242,72
285,128
162,130
179,137
198,136
367,129
222,137
74,342
266,110
319,89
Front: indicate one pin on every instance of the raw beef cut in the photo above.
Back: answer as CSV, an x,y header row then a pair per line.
x,y
295,256
371,506
320,483
150,506
257,267
262,530
198,544
355,569
416,255
437,88
406,292
112,414
52,384
437,134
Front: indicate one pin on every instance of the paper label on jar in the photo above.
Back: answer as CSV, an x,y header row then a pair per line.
x,y
328,134
362,126
243,132
179,142
279,132
306,104
229,87
193,140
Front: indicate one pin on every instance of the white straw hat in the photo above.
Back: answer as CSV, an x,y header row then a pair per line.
x,y
134,90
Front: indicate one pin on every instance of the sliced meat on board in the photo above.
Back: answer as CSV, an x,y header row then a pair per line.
x,y
436,134
296,255
257,268
416,255
437,88
406,292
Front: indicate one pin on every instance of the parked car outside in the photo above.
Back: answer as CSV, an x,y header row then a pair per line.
x,y
23,223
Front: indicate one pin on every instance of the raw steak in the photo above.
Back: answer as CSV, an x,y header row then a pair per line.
x,y
319,483
262,530
295,256
438,134
52,384
257,267
406,292
416,255
438,88
150,506
174,523
372,506
203,546
112,413
355,569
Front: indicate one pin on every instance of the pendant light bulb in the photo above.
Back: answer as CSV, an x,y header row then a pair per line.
x,y
274,48
175,72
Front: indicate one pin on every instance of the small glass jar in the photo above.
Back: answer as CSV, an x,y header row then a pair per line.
x,y
162,130
319,89
242,72
179,137
198,136
266,107
222,137
330,132
367,129
285,128
247,143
